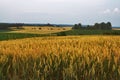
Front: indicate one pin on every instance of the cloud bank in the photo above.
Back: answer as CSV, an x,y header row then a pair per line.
x,y
115,10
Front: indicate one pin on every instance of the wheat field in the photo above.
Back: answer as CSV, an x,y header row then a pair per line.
x,y
61,58
39,30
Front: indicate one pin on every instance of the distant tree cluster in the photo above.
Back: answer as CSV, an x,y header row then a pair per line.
x,y
96,26
103,26
77,26
4,26
49,25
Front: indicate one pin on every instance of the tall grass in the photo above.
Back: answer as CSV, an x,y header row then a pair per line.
x,y
61,58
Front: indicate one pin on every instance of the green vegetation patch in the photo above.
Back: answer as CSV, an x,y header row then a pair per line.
x,y
89,32
8,36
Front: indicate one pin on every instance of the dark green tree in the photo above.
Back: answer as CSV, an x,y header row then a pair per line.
x,y
96,26
109,25
77,26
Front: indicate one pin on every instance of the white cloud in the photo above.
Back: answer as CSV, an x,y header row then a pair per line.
x,y
116,10
107,11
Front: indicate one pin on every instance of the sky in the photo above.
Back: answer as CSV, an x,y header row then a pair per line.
x,y
60,11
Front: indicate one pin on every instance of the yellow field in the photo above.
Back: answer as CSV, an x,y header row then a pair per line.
x,y
116,29
40,30
61,58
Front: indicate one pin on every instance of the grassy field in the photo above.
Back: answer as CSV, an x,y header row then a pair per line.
x,y
39,30
61,58
9,36
28,32
62,31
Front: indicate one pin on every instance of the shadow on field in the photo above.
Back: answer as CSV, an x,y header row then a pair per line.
x,y
9,36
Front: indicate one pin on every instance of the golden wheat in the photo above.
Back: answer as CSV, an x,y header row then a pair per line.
x,y
61,58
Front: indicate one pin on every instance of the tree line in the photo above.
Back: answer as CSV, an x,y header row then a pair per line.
x,y
5,26
96,26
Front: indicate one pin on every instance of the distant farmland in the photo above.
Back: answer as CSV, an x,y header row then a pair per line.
x,y
116,28
39,30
